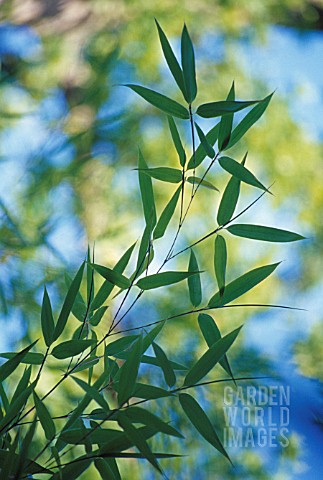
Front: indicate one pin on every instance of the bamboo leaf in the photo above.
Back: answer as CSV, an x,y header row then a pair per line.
x,y
29,358
98,315
129,372
105,469
7,368
194,282
147,194
163,279
241,172
242,284
201,422
171,60
217,109
210,358
165,174
167,105
68,303
188,66
177,141
200,153
112,276
220,261
266,234
140,415
203,183
120,345
165,365
16,406
47,321
73,470
205,144
249,120
150,392
226,123
22,385
92,392
166,215
70,348
45,418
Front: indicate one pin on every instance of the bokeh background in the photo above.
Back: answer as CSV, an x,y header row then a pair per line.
x,y
69,137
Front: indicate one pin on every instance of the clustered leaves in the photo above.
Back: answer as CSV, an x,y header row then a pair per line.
x,y
98,367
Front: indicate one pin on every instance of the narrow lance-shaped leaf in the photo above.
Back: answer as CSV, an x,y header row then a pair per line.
x,y
138,440
68,303
177,141
140,415
167,105
165,174
7,368
226,123
145,252
92,392
210,358
220,261
47,321
98,315
162,279
241,172
200,152
169,374
171,60
188,66
70,348
249,120
212,334
147,194
201,422
242,284
45,418
229,199
129,373
16,406
73,470
225,107
22,385
89,278
112,276
266,234
194,282
205,144
105,470
30,358
166,215
202,183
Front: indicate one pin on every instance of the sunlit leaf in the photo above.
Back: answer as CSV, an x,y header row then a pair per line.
x,y
205,144
112,276
220,261
47,321
226,123
266,234
225,107
167,105
7,368
166,215
165,365
200,152
147,194
89,363
165,174
98,315
203,183
188,66
70,348
241,172
177,140
210,358
242,284
194,282
201,422
45,418
129,373
163,279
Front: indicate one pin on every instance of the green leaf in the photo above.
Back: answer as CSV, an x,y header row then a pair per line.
x,y
150,392
266,234
29,358
16,406
79,307
217,109
167,105
107,287
47,321
165,365
45,418
241,172
212,334
33,467
171,60
247,122
188,66
165,174
147,194
201,422
220,261
229,199
140,415
92,392
137,439
210,358
163,279
242,284
89,363
68,303
203,183
226,123
145,253
112,276
177,141
98,315
129,373
166,215
205,144
120,345
70,348
194,282
73,470
7,368
105,468
200,152
22,385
